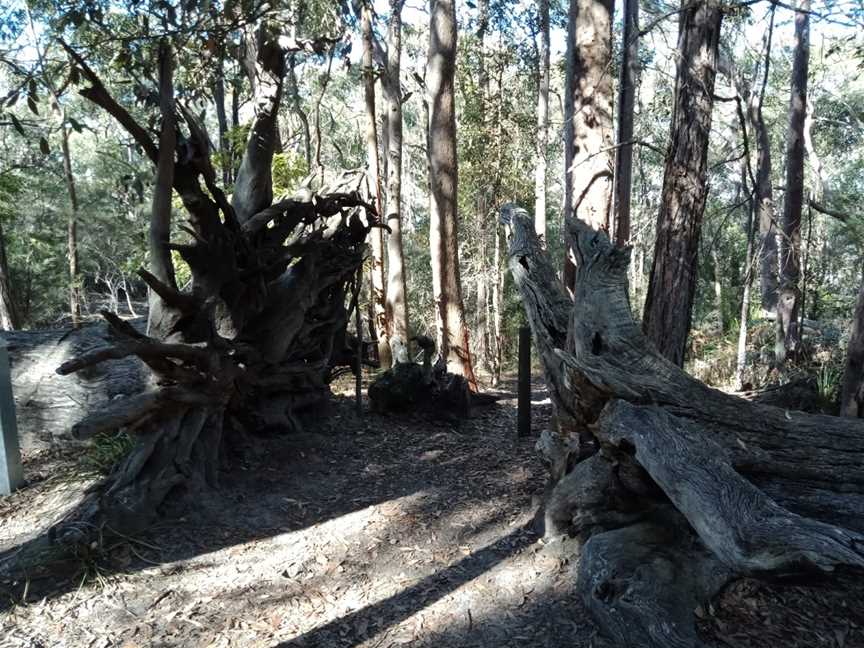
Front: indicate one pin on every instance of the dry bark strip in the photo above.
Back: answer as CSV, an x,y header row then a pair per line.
x,y
672,488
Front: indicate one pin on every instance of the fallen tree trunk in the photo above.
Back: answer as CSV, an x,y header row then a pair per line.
x,y
671,488
48,405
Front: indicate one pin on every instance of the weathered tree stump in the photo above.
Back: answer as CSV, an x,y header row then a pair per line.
x,y
412,387
671,488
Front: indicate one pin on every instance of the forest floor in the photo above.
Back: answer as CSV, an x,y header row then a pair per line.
x,y
372,532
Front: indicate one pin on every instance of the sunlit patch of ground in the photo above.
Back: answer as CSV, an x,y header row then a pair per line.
x,y
381,532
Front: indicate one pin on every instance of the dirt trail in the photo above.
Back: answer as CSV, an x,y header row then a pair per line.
x,y
373,533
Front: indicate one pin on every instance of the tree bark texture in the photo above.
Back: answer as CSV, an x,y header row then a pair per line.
x,y
768,262
669,489
627,81
49,405
75,287
452,332
253,186
161,319
588,132
749,260
377,274
789,297
542,119
852,390
8,309
672,285
222,119
397,302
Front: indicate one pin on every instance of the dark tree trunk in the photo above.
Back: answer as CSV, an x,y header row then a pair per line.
x,y
542,119
626,100
672,286
666,488
235,105
222,119
253,187
8,310
297,109
768,263
588,130
452,342
789,297
852,391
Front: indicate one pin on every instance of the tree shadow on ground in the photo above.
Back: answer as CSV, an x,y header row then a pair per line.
x,y
285,484
529,616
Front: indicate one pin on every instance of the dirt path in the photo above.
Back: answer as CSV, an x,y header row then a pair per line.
x,y
385,532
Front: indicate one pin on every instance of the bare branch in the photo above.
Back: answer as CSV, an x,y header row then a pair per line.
x,y
98,94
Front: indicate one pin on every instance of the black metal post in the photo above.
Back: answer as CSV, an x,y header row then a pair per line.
x,y
524,389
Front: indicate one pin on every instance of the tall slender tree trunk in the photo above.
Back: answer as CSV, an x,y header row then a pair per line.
x,y
768,262
443,178
542,120
718,289
235,106
760,210
222,119
497,289
75,287
397,302
8,311
482,309
672,287
324,81
852,390
484,218
297,109
588,133
743,328
788,303
379,311
626,101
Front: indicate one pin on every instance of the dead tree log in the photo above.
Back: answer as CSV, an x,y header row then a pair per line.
x,y
48,405
412,387
671,488
248,346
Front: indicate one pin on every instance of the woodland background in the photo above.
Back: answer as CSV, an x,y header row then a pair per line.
x,y
498,74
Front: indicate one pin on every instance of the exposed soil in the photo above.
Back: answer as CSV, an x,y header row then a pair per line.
x,y
373,532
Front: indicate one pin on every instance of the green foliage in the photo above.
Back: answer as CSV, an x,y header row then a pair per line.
x,y
106,450
182,271
288,170
828,379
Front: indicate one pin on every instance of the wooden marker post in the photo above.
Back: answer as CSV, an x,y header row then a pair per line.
x,y
358,377
11,472
523,424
